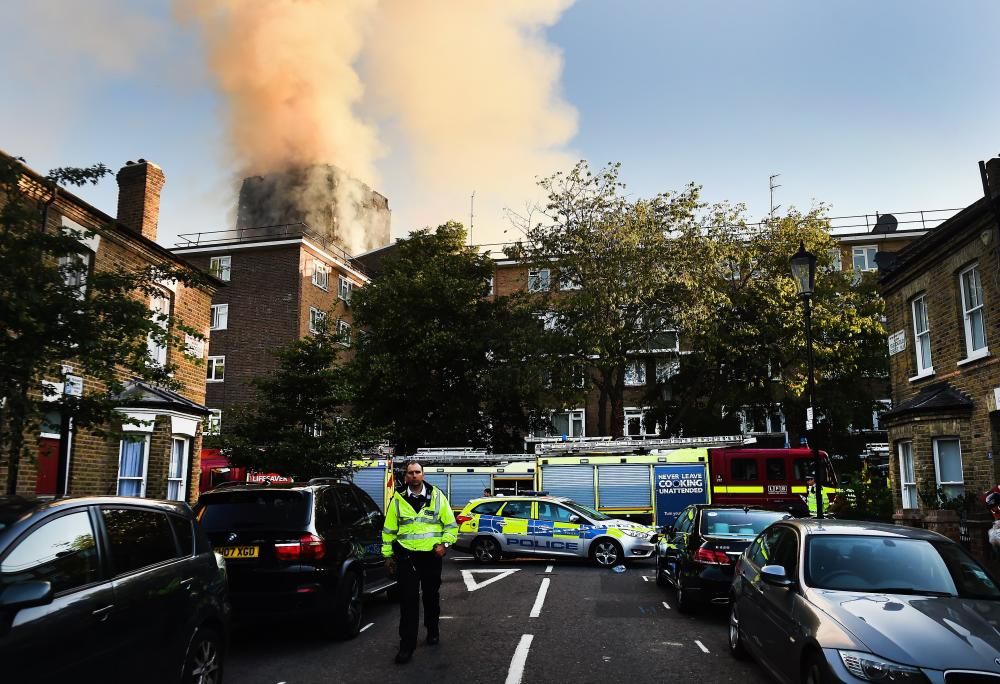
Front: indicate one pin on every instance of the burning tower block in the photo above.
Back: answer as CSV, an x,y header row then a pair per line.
x,y
335,206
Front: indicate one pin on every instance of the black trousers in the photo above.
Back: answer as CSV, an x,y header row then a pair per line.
x,y
417,572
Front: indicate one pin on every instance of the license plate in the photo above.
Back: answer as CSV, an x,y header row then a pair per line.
x,y
239,551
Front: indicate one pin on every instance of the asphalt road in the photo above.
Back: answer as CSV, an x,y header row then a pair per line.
x,y
556,621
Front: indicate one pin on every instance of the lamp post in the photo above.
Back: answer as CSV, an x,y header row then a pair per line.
x,y
804,275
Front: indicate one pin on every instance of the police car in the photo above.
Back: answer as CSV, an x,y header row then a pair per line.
x,y
540,525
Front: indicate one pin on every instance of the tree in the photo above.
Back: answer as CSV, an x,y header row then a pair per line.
x,y
625,265
438,360
52,313
300,424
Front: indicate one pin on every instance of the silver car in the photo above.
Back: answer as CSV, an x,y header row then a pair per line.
x,y
493,527
841,601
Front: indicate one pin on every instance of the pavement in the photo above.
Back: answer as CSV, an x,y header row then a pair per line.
x,y
519,621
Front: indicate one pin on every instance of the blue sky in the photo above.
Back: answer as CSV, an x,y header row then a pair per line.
x,y
868,106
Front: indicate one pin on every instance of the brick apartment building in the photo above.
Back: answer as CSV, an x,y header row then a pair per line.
x,y
160,457
943,308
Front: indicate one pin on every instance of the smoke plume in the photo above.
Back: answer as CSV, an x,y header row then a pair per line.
x,y
444,97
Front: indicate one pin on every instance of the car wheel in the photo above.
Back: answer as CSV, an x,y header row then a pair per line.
x,y
814,671
736,648
203,663
486,550
348,608
685,602
606,553
661,578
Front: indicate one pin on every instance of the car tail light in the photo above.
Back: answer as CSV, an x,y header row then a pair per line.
x,y
462,519
308,547
711,556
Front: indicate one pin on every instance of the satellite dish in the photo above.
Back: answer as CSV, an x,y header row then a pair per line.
x,y
886,223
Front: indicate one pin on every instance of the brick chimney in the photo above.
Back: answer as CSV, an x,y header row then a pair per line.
x,y
139,186
991,177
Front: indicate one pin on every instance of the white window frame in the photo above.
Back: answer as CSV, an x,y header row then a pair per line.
x,y
221,267
539,279
144,440
186,457
937,464
969,313
76,270
638,372
344,332
321,275
921,337
836,259
345,289
632,412
212,367
315,316
667,368
886,405
157,351
575,416
220,317
491,282
907,487
213,422
862,251
568,283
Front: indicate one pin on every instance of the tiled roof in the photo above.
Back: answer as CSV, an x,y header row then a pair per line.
x,y
937,397
139,394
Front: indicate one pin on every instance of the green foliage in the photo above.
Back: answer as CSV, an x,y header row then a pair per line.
x,y
439,361
102,332
938,499
300,424
868,499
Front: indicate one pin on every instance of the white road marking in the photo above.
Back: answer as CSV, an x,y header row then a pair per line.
x,y
548,568
645,579
367,626
536,609
671,643
446,617
701,646
666,605
471,583
516,670
462,558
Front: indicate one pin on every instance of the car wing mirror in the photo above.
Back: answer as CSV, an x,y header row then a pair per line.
x,y
575,519
775,575
26,595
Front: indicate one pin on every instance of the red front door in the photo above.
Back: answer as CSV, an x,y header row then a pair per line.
x,y
48,466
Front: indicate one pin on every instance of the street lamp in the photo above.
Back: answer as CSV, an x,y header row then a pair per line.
x,y
804,274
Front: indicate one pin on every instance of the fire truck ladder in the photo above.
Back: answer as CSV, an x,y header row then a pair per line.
x,y
620,446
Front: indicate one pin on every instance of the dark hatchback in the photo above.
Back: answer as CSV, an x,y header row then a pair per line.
x,y
298,550
109,589
696,555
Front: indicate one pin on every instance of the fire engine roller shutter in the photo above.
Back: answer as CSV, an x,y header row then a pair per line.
x,y
439,480
467,486
576,482
372,481
623,486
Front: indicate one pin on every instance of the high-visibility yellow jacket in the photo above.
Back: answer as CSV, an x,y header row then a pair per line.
x,y
811,501
434,524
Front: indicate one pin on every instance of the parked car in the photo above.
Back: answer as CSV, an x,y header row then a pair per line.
x,y
538,525
697,554
840,601
300,549
108,589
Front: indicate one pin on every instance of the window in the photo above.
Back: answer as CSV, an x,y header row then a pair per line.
x,y
685,521
568,280
177,472
321,275
864,258
160,307
351,510
517,509
132,457
344,333
744,469
346,289
61,551
75,269
635,373
785,551
638,423
216,369
948,467
550,320
553,512
569,423
666,369
907,478
220,317
213,423
665,341
881,406
922,335
490,284
775,469
488,508
317,320
835,260
972,313
184,533
220,267
138,538
538,280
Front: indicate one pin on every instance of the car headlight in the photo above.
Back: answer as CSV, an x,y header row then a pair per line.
x,y
638,534
871,668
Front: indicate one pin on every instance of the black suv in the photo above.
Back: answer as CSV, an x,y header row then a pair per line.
x,y
109,589
697,553
313,549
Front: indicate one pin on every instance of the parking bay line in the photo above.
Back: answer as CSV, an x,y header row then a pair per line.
x,y
701,646
548,568
517,663
367,626
645,579
536,609
666,605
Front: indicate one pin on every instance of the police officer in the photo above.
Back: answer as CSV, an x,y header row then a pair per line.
x,y
810,496
419,526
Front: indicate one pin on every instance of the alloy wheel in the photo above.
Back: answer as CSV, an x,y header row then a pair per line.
x,y
606,553
206,663
486,551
